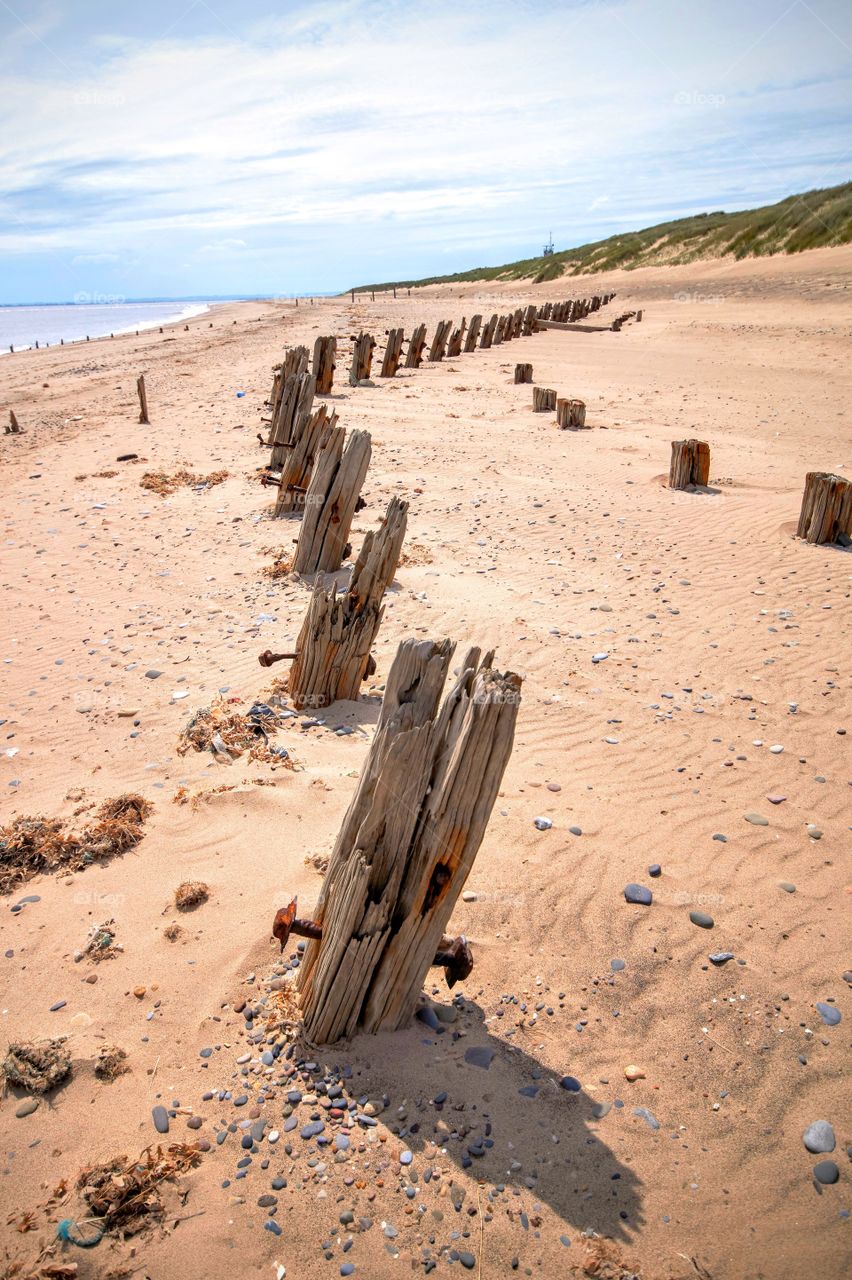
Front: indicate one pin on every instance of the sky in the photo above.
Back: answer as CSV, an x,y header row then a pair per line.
x,y
214,147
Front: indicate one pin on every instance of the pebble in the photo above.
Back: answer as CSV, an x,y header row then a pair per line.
x,y
599,657
428,1015
161,1119
721,957
814,832
576,831
543,824
826,1172
467,1260
617,965
639,894
655,870
26,1108
405,1157
633,1073
819,1137
756,819
571,1083
468,896
828,1013
786,886
60,1004
194,1122
777,749
347,1268
701,919
648,1116
479,1056
776,799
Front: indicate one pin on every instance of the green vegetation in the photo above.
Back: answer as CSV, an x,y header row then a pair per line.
x,y
808,221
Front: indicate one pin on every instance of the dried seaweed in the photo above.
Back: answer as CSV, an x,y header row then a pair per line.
x,y
164,484
102,944
124,1195
191,894
29,846
281,565
38,1068
110,1063
229,733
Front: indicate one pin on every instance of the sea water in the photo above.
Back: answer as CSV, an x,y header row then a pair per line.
x,y
24,326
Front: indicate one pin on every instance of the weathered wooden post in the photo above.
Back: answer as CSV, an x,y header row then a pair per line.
x,y
362,358
639,315
338,633
298,464
523,373
473,333
393,353
454,346
325,349
570,413
826,513
439,340
499,330
330,502
488,333
530,323
690,464
416,344
14,427
407,843
294,407
544,399
143,399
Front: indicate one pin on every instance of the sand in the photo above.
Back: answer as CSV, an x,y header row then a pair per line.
x,y
725,637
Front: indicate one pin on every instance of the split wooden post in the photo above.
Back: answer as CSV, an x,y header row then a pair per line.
x,y
143,399
339,631
295,361
544,399
294,409
826,514
570,413
530,325
488,333
325,349
362,358
408,841
523,373
393,353
14,427
331,501
298,464
438,348
416,344
690,464
454,346
473,333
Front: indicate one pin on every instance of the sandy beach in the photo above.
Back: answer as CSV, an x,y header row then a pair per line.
x,y
685,664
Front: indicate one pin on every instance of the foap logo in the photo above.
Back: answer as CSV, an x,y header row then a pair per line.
x,y
84,299
105,901
699,299
98,98
699,101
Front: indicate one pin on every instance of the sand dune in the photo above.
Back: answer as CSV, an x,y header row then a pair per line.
x,y
725,637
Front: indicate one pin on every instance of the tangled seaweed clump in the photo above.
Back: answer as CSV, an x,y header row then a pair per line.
x,y
229,733
125,1195
38,1068
29,846
164,484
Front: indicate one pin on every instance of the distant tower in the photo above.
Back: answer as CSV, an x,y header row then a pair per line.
x,y
548,250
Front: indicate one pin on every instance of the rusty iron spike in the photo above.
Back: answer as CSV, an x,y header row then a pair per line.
x,y
267,658
454,955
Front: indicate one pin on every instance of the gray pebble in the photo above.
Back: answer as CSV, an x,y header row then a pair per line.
x,y
819,1137
826,1172
701,919
160,1116
828,1013
26,1108
639,894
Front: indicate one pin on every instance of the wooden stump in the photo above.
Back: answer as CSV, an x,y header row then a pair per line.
x,y
339,630
295,361
488,333
438,349
454,346
143,399
638,316
518,323
570,413
393,353
690,464
408,841
530,325
294,409
298,465
826,514
330,502
362,358
544,399
416,343
523,373
325,349
14,427
473,333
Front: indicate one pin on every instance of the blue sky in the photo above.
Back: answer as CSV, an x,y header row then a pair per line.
x,y
213,146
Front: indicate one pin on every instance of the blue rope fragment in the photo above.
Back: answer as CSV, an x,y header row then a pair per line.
x,y
67,1225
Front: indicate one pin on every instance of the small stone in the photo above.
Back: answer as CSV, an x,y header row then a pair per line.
x,y
776,749
814,832
617,965
479,1056
756,819
467,1260
576,831
543,824
194,1122
828,1013
405,1157
637,893
571,1083
721,957
776,799
786,886
633,1073
819,1137
468,896
26,1108
60,1004
701,919
160,1116
826,1172
655,870
152,674
648,1116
